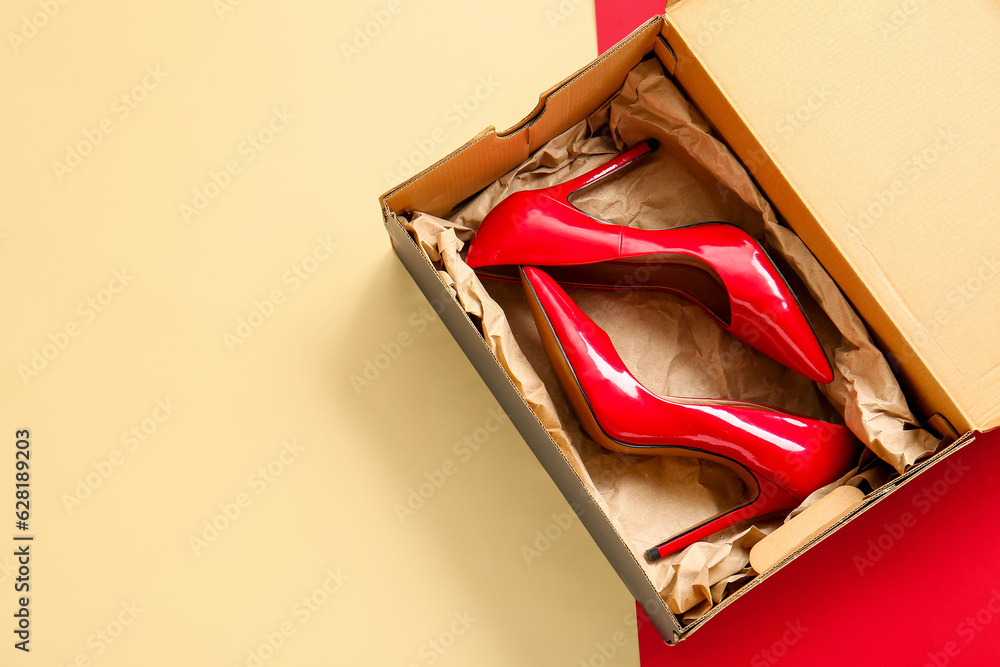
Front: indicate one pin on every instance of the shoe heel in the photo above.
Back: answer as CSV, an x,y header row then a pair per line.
x,y
770,498
780,457
563,191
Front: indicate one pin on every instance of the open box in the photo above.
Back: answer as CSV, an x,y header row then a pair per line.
x,y
840,126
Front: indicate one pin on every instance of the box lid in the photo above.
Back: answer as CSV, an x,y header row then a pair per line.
x,y
873,128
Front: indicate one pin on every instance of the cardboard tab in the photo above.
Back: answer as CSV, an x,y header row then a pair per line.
x,y
798,531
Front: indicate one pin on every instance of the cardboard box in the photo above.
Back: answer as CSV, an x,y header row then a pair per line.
x,y
762,108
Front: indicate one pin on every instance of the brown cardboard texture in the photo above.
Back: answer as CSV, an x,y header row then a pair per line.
x,y
873,132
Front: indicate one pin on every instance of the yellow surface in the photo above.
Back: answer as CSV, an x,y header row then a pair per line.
x,y
232,387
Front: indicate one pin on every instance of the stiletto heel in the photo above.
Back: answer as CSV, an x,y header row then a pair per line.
x,y
780,456
767,498
716,265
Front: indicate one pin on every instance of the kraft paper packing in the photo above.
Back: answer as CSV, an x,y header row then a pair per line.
x,y
669,343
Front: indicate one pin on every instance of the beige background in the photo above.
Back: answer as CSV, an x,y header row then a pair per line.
x,y
229,379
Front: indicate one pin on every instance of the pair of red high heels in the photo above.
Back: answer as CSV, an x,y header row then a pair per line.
x,y
780,456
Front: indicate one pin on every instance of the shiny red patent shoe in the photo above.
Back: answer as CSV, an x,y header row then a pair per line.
x,y
717,265
780,456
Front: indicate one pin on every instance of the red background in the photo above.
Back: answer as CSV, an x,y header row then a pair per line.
x,y
905,583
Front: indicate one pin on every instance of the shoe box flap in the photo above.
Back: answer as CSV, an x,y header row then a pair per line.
x,y
872,128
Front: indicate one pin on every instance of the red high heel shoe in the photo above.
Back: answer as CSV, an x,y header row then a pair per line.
x,y
717,265
780,456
